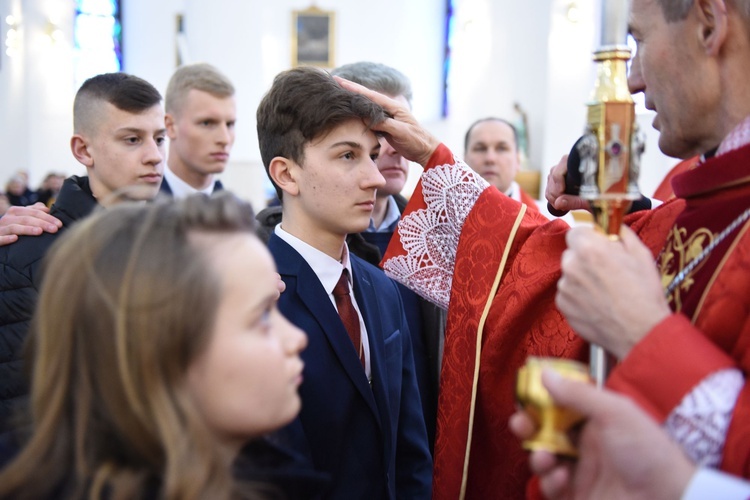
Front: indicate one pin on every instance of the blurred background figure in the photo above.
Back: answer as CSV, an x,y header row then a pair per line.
x,y
50,187
491,150
18,192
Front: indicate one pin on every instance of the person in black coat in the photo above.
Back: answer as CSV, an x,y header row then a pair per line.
x,y
119,137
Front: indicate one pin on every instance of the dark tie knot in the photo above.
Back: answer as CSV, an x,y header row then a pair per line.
x,y
342,287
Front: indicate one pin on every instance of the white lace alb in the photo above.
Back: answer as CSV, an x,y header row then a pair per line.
x,y
701,421
430,236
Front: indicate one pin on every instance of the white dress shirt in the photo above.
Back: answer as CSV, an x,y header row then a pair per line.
x,y
328,270
711,483
181,189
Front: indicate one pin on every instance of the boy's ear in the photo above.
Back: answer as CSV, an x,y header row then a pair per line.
x,y
282,171
80,147
169,124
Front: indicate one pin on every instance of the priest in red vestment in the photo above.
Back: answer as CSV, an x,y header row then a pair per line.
x,y
673,304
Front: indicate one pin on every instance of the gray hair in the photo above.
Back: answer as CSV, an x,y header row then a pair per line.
x,y
377,77
677,10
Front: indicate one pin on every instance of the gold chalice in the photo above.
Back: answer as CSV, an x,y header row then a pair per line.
x,y
554,422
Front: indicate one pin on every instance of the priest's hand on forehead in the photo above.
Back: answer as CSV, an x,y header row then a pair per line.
x,y
401,130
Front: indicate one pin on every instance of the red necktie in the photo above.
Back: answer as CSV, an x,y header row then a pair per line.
x,y
348,314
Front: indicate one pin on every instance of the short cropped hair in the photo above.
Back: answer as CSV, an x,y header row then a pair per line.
x,y
303,104
677,10
123,91
490,119
377,77
201,76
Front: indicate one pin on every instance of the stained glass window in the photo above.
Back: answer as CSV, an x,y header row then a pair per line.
x,y
448,48
98,38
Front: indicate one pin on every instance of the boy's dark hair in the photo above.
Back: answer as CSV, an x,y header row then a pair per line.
x,y
303,104
123,91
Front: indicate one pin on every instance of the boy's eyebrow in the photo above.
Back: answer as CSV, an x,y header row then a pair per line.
x,y
351,144
208,115
136,130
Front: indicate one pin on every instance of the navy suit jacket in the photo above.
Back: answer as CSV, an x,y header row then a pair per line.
x,y
371,440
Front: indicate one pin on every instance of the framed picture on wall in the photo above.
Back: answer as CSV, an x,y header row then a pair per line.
x,y
313,37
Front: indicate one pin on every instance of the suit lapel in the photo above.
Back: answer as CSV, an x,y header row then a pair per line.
x,y
165,188
365,293
311,293
364,290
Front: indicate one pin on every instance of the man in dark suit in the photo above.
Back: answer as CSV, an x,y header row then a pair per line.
x,y
200,117
361,420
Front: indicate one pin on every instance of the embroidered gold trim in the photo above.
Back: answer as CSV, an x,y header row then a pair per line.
x,y
478,351
724,259
679,253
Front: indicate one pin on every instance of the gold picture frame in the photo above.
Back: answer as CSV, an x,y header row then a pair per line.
x,y
313,37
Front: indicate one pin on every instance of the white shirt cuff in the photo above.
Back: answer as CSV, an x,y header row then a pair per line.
x,y
711,483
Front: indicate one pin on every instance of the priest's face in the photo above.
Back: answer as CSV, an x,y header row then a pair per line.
x,y
678,78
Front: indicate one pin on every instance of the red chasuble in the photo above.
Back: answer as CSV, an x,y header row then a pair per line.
x,y
664,190
527,200
712,330
502,282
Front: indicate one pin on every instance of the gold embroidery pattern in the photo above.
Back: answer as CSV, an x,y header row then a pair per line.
x,y
678,251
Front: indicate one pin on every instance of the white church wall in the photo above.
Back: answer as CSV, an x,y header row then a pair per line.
x,y
504,52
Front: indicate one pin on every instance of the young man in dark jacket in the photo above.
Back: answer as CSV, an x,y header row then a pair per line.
x,y
118,135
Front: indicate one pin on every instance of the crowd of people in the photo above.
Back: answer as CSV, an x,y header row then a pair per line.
x,y
158,340
18,193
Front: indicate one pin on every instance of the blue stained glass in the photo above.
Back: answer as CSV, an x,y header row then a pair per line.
x,y
98,38
94,32
448,52
97,7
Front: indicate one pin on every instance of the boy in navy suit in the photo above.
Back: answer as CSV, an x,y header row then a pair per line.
x,y
361,420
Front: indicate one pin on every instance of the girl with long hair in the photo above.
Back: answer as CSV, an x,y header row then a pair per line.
x,y
156,354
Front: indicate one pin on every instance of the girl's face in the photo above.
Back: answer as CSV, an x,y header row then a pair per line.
x,y
245,381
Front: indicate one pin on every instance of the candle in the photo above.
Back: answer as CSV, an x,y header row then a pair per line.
x,y
614,22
